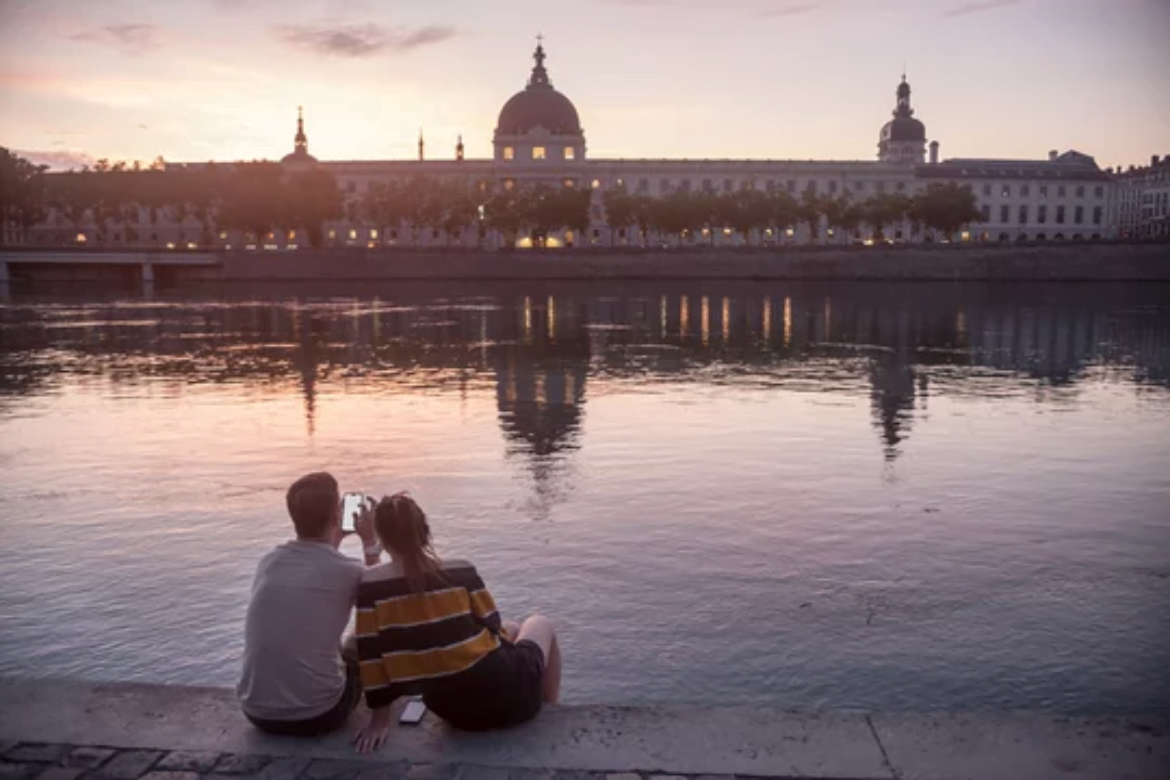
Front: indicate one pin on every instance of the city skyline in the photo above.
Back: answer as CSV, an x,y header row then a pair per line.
x,y
651,78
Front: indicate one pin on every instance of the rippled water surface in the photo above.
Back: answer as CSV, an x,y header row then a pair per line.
x,y
814,497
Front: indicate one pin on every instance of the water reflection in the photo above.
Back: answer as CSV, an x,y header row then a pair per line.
x,y
541,351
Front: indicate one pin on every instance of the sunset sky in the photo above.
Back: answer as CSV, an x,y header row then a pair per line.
x,y
788,79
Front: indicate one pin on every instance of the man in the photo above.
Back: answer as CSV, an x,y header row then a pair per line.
x,y
295,679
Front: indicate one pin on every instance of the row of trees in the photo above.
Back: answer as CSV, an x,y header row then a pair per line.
x,y
262,197
945,208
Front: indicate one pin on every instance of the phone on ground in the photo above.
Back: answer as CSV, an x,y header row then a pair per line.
x,y
351,504
413,713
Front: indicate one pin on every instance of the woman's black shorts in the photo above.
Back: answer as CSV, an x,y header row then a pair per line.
x,y
504,689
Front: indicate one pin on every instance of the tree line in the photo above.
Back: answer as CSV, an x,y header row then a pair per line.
x,y
259,198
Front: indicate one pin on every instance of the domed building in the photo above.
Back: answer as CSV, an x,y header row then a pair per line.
x,y
903,139
300,153
539,124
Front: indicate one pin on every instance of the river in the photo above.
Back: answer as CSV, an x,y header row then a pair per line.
x,y
917,496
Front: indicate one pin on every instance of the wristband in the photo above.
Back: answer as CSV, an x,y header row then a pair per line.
x,y
373,549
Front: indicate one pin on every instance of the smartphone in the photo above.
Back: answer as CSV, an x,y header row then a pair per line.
x,y
413,713
351,504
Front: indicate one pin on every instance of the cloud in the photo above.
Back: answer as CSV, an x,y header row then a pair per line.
x,y
760,9
57,160
359,40
129,38
973,8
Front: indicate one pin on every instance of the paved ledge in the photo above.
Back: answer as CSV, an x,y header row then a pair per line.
x,y
56,730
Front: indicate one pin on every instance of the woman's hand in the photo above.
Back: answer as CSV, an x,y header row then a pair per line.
x,y
374,734
364,523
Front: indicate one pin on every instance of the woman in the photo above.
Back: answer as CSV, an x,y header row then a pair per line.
x,y
430,627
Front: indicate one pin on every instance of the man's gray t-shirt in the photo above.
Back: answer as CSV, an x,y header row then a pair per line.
x,y
301,602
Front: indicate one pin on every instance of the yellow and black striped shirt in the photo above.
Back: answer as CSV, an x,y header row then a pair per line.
x,y
406,638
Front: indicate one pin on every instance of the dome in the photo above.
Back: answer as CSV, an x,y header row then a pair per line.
x,y
533,108
539,105
904,129
303,158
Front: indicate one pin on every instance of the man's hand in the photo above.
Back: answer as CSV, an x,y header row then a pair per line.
x,y
374,734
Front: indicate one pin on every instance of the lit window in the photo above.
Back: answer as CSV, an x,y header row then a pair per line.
x,y
790,232
81,239
332,235
727,231
352,235
292,235
569,183
509,184
223,235
191,245
539,153
570,153
597,184
509,153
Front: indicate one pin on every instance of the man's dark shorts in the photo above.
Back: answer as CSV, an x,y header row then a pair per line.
x,y
327,722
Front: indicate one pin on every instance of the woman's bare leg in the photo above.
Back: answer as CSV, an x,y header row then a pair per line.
x,y
539,630
512,629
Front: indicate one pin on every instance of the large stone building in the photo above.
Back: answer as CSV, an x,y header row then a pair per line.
x,y
539,138
1143,197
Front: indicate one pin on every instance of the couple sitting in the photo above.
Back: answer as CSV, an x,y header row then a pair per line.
x,y
424,627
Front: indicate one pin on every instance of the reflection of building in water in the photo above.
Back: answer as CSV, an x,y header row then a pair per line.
x,y
312,336
540,394
892,380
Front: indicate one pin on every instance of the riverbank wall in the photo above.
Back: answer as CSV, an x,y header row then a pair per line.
x,y
59,729
1086,262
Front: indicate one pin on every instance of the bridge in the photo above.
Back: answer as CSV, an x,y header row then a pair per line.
x,y
89,264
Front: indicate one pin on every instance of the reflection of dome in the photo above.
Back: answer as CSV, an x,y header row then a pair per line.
x,y
539,105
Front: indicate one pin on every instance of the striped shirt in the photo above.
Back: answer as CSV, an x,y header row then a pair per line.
x,y
407,638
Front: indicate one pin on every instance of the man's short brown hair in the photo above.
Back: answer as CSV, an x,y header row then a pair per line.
x,y
312,501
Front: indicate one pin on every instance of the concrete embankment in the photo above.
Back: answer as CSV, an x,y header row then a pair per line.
x,y
1085,262
136,731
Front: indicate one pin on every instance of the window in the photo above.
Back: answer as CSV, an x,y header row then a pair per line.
x,y
570,184
1006,191
986,212
539,153
811,187
332,235
643,185
728,186
570,153
1060,215
790,186
620,184
1025,190
1098,191
223,235
987,190
373,235
435,233
1003,214
901,187
351,187
685,186
859,186
833,188
1060,191
352,234
1079,215
509,184
1042,214
509,153
664,185
1043,190
597,184
881,186
1023,215
707,187
1081,191
772,185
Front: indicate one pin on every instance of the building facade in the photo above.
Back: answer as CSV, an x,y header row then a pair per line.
x,y
1143,195
539,139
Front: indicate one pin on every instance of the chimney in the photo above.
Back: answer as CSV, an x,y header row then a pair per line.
x,y
1153,159
1052,156
934,152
